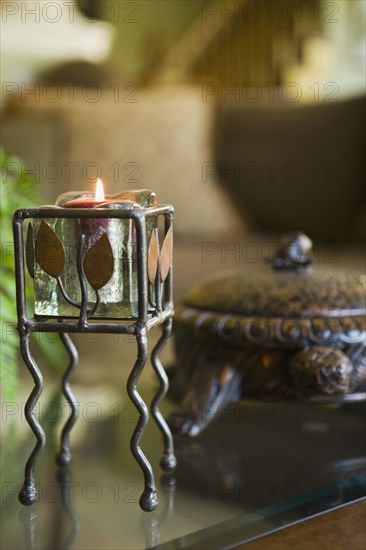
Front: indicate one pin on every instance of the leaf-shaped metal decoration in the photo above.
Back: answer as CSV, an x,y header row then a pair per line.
x,y
166,255
50,253
99,263
29,251
152,258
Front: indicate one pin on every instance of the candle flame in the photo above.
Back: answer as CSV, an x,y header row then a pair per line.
x,y
99,191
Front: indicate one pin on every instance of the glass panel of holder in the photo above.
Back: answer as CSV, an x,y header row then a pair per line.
x,y
119,297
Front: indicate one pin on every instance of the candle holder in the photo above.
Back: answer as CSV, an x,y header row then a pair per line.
x,y
98,270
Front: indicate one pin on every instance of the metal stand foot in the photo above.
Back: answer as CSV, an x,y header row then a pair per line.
x,y
148,499
168,462
64,456
28,493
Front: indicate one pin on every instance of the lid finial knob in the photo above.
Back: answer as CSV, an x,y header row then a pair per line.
x,y
294,252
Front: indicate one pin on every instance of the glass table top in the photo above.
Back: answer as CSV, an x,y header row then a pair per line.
x,y
259,467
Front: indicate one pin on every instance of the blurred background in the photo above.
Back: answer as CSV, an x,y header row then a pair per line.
x,y
247,115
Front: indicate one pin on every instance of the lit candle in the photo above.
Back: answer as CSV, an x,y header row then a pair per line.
x,y
93,229
87,202
133,198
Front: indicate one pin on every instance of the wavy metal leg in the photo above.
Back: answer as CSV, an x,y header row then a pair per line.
x,y
64,456
28,493
148,499
168,461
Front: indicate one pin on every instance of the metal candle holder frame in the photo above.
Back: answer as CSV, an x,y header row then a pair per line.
x,y
137,326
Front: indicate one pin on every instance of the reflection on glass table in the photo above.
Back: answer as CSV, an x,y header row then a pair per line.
x,y
258,467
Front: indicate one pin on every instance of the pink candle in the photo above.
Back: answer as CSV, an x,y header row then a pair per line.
x,y
91,228
84,202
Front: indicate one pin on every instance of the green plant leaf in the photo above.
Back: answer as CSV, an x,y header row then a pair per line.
x,y
18,190
9,367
